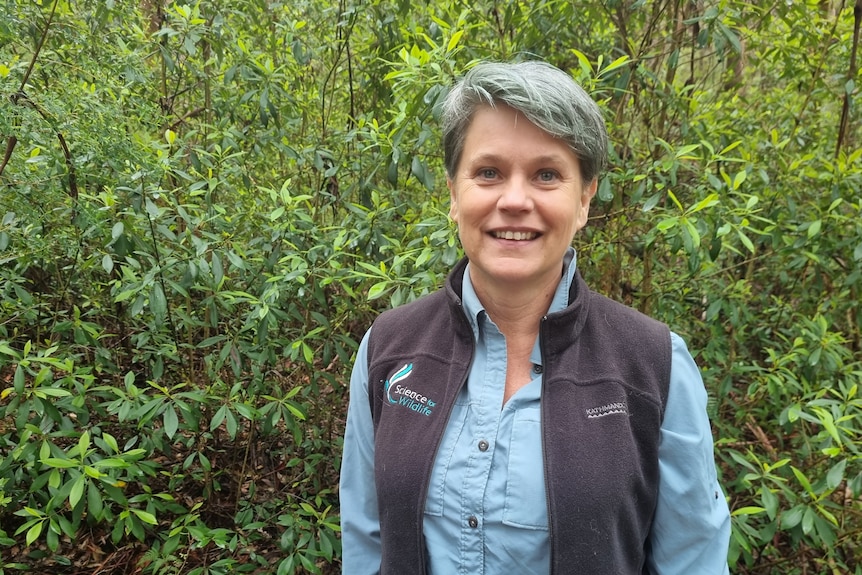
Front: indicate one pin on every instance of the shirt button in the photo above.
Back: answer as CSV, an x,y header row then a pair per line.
x,y
537,368
472,521
483,445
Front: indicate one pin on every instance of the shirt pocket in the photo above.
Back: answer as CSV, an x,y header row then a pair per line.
x,y
525,504
443,461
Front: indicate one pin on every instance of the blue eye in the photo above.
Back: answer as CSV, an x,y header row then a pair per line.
x,y
547,175
488,173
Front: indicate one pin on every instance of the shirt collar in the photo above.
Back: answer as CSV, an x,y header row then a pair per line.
x,y
476,311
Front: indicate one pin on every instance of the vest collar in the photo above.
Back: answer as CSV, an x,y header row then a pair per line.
x,y
570,319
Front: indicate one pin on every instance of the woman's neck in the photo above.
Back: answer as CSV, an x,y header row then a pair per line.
x,y
516,311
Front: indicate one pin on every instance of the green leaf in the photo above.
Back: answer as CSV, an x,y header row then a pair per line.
x,y
692,232
792,518
803,481
326,547
66,527
94,501
619,62
751,510
171,421
107,263
148,518
378,290
6,350
218,417
52,392
33,533
231,424
814,228
52,539
110,462
247,411
605,193
60,463
808,520
770,502
684,152
277,213
731,36
826,420
453,41
218,271
77,491
745,240
825,531
836,474
91,471
675,201
295,411
740,459
707,202
584,62
667,224
158,303
287,566
18,379
83,444
110,441
212,341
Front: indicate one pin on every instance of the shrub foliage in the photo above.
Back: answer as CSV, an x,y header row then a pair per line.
x,y
205,204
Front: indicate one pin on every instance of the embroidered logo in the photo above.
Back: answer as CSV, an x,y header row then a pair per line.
x,y
609,409
402,395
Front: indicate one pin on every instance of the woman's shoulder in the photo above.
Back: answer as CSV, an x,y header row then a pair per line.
x,y
606,306
425,306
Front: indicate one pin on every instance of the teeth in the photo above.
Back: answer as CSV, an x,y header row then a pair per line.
x,y
517,236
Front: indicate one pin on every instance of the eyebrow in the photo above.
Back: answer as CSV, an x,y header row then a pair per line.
x,y
554,159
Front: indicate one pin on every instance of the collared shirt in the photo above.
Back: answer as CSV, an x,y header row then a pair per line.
x,y
486,509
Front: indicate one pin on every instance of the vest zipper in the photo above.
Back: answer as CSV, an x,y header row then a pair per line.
x,y
544,421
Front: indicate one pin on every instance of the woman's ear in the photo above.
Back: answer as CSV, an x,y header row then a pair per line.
x,y
453,201
587,195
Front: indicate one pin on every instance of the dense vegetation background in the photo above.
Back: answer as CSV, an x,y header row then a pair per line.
x,y
205,204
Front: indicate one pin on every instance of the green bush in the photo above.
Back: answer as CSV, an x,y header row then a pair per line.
x,y
205,205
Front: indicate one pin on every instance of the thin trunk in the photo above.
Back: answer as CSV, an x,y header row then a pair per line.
x,y
851,74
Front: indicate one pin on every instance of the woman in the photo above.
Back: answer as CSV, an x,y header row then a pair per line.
x,y
514,421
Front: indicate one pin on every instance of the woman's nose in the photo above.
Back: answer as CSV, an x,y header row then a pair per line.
x,y
515,195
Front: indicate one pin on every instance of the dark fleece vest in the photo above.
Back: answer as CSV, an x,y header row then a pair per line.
x,y
606,376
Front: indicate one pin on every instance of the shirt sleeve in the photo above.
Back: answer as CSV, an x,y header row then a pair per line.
x,y
691,529
360,524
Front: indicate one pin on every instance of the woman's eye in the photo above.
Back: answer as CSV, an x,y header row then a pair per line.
x,y
488,173
547,175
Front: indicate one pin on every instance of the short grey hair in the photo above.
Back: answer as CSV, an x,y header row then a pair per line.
x,y
544,94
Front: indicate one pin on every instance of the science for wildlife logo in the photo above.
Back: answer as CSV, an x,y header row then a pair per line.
x,y
398,394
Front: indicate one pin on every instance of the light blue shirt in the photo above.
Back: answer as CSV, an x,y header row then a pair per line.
x,y
489,466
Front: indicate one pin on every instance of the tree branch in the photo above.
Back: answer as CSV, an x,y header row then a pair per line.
x,y
851,73
13,140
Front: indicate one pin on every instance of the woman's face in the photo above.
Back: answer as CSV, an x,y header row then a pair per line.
x,y
518,199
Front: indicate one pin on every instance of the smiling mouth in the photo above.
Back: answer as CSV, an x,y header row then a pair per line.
x,y
517,236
